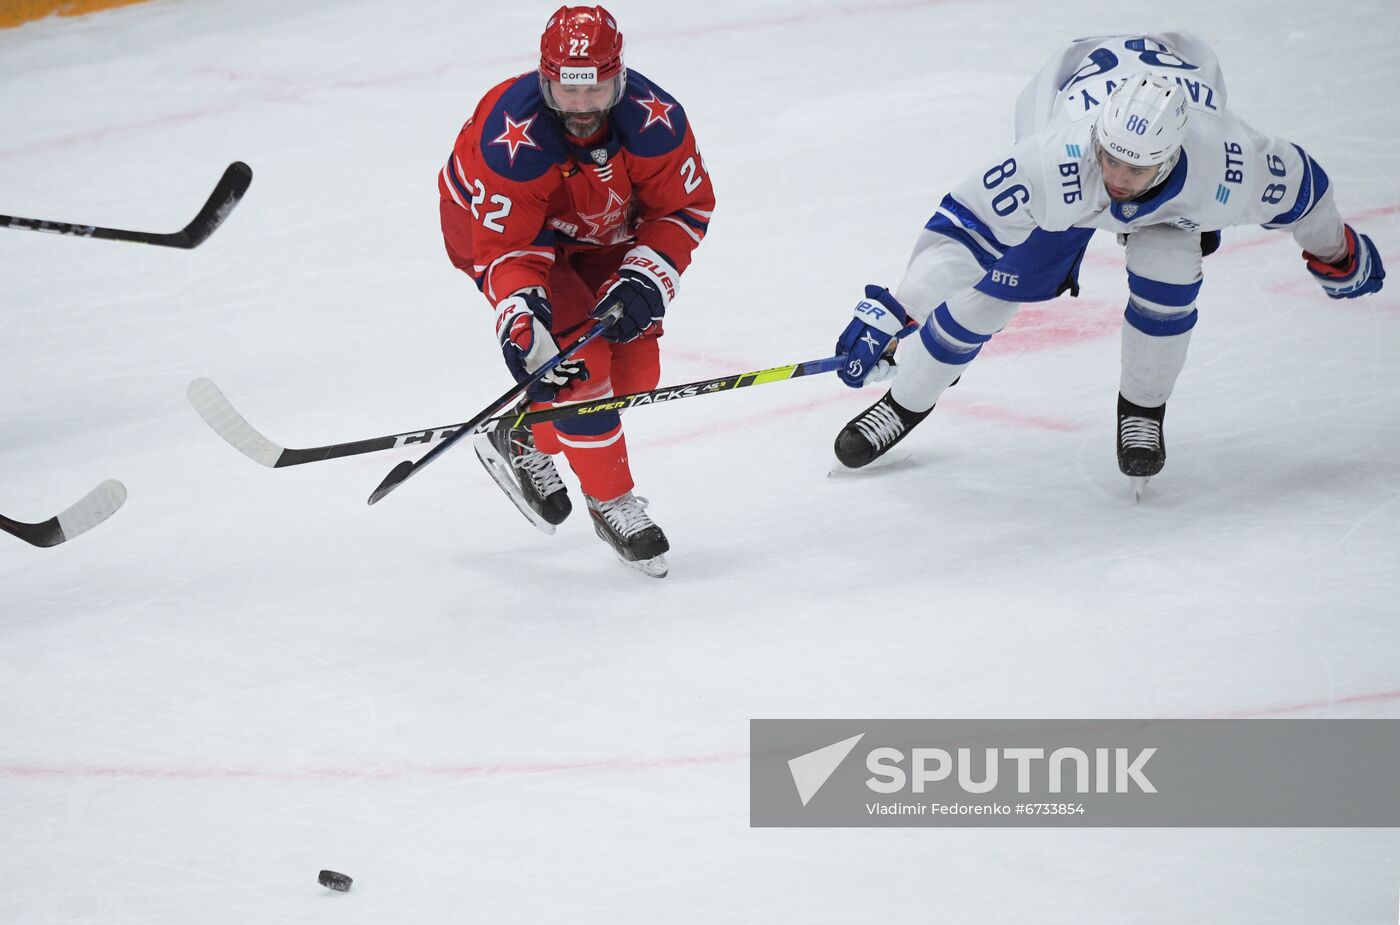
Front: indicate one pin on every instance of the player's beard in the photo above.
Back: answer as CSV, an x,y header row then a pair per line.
x,y
583,124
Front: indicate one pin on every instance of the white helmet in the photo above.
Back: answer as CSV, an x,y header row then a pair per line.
x,y
1143,122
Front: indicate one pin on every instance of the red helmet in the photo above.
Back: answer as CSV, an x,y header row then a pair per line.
x,y
581,45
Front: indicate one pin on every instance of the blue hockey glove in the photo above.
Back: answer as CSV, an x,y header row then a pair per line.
x,y
645,284
523,329
878,320
1358,273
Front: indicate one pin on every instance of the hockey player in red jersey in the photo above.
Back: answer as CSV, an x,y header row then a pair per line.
x,y
570,189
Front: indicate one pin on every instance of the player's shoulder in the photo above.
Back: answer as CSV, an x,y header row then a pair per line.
x,y
1061,158
516,135
650,122
1214,175
1060,143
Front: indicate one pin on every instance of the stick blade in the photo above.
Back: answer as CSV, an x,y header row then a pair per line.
x,y
226,196
225,421
93,508
391,481
84,514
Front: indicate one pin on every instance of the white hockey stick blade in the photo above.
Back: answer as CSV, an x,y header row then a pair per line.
x,y
499,469
225,421
84,514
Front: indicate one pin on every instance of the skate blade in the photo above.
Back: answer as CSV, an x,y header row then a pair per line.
x,y
655,567
499,469
1139,485
875,467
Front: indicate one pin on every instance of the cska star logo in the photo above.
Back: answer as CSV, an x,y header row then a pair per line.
x,y
516,136
657,110
604,225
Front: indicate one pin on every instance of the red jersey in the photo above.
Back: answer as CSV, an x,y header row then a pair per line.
x,y
518,188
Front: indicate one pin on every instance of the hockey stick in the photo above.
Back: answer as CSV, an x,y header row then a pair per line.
x,y
229,190
666,393
690,390
501,470
225,420
405,470
84,514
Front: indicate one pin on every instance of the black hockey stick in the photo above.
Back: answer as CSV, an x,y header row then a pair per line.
x,y
81,516
225,420
228,423
229,190
405,470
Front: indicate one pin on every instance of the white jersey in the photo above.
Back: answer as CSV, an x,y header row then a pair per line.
x,y
1016,231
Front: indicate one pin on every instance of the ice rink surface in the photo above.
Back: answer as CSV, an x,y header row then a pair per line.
x,y
248,675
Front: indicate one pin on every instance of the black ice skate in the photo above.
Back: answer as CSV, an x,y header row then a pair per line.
x,y
872,432
526,475
1142,448
623,524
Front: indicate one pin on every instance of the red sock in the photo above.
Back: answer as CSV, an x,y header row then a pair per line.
x,y
600,463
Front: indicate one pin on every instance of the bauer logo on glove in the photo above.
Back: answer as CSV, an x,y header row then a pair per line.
x,y
871,309
879,318
644,285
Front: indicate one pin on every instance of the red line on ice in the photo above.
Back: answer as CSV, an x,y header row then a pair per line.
x,y
450,771
38,771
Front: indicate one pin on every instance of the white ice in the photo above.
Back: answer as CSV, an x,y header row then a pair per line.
x,y
248,675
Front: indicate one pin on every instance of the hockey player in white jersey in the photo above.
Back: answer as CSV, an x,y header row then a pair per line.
x,y
1128,134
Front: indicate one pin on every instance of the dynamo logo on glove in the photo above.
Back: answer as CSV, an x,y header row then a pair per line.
x,y
876,321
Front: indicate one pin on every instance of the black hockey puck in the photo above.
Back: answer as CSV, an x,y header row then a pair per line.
x,y
334,880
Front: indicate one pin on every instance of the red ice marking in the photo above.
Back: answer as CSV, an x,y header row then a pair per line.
x,y
709,360
1110,259
805,18
37,771
1007,416
1383,697
1259,238
449,771
1040,325
1293,287
843,397
1281,237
